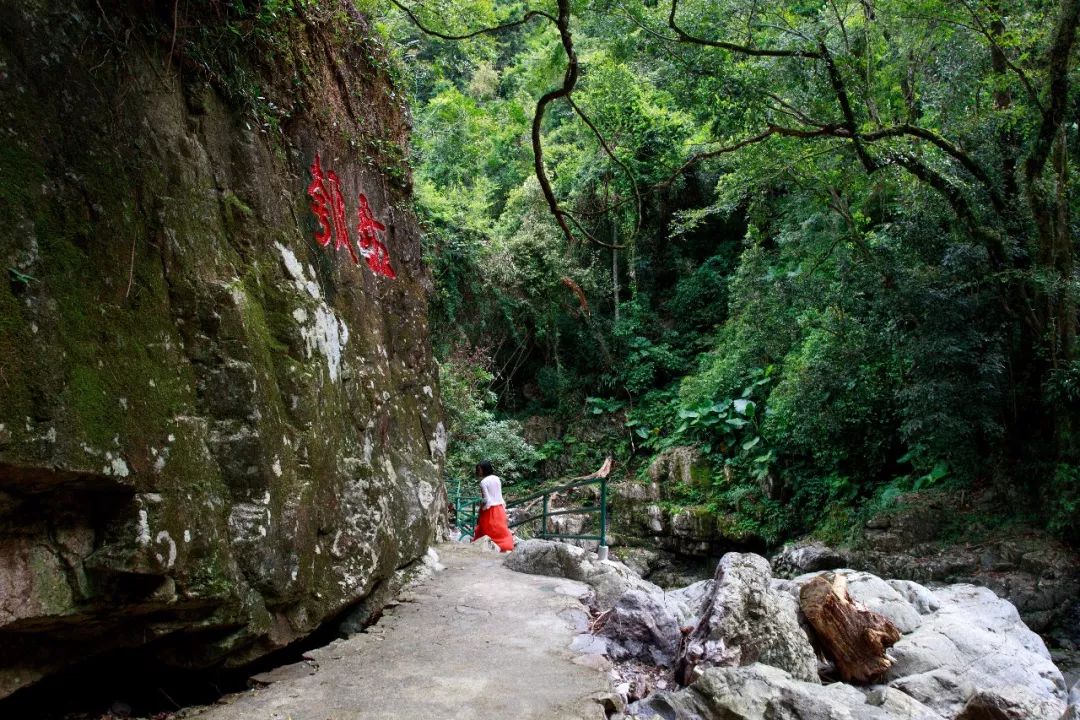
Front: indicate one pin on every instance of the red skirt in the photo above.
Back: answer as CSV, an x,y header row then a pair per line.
x,y
492,522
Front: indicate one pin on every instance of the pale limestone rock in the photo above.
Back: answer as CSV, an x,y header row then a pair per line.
x,y
746,621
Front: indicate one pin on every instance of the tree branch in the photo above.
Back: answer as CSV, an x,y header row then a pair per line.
x,y
611,154
483,31
959,204
1057,88
570,78
732,47
768,132
850,123
949,149
981,28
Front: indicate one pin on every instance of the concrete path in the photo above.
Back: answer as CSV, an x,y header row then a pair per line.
x,y
475,641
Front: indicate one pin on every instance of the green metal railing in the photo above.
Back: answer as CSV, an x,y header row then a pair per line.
x,y
467,508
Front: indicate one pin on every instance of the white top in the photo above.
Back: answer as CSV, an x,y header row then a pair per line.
x,y
491,489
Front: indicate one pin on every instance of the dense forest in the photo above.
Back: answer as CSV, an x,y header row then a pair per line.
x,y
829,243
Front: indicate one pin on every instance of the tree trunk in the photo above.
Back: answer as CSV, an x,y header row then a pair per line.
x,y
852,636
615,270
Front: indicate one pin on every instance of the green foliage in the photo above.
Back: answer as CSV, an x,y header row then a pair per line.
x,y
475,433
499,441
833,323
464,383
600,406
1062,501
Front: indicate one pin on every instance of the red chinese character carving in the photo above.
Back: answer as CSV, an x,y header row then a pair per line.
x,y
328,206
373,249
320,202
341,231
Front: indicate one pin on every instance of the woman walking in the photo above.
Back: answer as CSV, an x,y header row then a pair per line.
x,y
492,521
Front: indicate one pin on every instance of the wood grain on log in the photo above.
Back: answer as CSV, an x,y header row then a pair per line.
x,y
851,635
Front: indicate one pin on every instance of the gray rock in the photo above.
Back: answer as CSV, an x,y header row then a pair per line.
x,y
682,465
923,600
966,655
756,692
217,442
689,603
639,513
608,579
640,560
369,609
803,557
548,557
1035,572
976,643
1073,711
1007,703
899,705
746,621
645,620
640,626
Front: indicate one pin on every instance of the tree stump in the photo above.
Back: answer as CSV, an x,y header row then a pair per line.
x,y
851,635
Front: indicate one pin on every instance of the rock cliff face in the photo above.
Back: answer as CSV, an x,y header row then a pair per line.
x,y
661,533
215,433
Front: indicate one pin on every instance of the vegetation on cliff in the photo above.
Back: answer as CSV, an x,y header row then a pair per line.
x,y
830,243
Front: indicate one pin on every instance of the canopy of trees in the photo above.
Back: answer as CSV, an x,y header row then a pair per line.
x,y
831,243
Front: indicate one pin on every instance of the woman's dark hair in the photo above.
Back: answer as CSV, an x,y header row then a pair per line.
x,y
483,468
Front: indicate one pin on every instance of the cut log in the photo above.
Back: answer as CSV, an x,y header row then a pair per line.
x,y
850,634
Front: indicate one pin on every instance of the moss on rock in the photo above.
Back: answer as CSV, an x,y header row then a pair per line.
x,y
224,409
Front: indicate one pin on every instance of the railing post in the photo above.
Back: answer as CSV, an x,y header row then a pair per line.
x,y
457,506
602,550
543,523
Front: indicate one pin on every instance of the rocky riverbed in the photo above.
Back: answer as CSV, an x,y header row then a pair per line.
x,y
737,646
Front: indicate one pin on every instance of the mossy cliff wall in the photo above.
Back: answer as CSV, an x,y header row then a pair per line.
x,y
214,433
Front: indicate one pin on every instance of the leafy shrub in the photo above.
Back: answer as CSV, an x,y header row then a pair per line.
x,y
1062,501
501,442
834,401
475,432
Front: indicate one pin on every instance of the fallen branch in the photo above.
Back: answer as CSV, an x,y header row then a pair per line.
x,y
851,635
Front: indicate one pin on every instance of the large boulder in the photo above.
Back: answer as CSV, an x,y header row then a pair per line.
x,y
965,654
1072,712
641,626
640,514
1034,571
641,620
215,434
961,644
807,556
757,692
976,649
881,597
747,621
688,603
608,579
647,623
